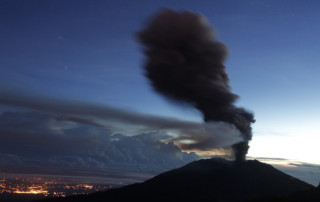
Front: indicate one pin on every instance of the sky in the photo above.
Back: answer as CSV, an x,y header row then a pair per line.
x,y
83,55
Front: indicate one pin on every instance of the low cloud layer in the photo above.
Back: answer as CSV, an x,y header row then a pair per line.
x,y
43,140
209,135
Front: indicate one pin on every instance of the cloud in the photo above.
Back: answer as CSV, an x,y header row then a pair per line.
x,y
46,140
225,135
126,122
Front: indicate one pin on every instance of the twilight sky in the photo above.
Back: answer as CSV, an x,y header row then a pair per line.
x,y
84,54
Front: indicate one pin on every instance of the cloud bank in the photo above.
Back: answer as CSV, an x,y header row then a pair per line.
x,y
210,134
42,140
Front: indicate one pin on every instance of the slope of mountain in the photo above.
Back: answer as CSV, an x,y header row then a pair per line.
x,y
207,180
311,195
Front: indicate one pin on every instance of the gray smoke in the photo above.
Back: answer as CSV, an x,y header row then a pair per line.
x,y
184,62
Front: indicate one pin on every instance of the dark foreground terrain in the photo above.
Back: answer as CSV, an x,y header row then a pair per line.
x,y
212,180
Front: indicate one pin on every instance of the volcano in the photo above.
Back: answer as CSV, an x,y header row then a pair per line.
x,y
207,180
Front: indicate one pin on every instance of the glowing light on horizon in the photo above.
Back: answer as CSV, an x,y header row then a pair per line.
x,y
31,191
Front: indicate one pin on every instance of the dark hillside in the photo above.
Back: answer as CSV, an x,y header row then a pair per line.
x,y
203,180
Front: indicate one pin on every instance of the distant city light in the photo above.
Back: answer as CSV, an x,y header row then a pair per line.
x,y
47,186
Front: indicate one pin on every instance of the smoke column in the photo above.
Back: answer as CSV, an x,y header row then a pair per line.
x,y
184,62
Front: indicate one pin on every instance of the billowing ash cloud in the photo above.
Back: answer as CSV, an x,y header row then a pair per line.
x,y
185,63
126,122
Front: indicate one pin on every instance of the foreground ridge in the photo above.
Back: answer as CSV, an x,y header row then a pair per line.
x,y
207,179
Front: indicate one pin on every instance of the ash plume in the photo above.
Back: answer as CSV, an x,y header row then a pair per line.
x,y
184,62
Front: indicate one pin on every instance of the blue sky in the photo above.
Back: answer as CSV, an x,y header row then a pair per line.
x,y
86,51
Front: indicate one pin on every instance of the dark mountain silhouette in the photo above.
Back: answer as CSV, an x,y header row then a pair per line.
x,y
308,195
305,196
206,180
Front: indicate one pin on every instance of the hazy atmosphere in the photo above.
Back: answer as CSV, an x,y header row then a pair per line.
x,y
83,88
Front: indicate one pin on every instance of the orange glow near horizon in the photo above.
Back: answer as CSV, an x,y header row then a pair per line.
x,y
31,191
